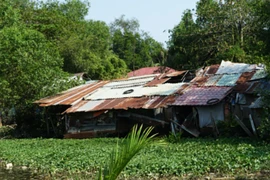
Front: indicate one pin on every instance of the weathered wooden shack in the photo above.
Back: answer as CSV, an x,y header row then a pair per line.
x,y
172,101
108,107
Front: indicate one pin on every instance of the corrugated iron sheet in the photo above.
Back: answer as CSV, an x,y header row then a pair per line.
x,y
158,102
121,103
72,96
176,73
259,74
132,103
199,80
246,76
212,80
199,96
247,87
138,91
150,70
158,80
227,67
130,82
212,69
228,80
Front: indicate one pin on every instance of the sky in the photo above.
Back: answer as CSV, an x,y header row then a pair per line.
x,y
156,17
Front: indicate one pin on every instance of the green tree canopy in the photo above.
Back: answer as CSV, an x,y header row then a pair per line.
x,y
136,48
221,30
30,66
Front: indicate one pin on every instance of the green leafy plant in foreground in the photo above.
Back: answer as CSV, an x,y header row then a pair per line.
x,y
136,140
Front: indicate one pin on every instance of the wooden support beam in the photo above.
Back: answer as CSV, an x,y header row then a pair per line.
x,y
240,122
215,129
252,125
193,132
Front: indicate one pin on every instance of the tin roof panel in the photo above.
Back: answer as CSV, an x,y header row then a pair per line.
x,y
246,76
138,91
130,82
89,105
150,70
200,96
199,80
227,67
176,73
158,80
212,69
211,81
228,80
260,74
72,96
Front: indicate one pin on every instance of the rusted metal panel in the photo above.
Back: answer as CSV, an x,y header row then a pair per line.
x,y
212,69
247,87
150,70
158,80
71,96
200,96
212,80
156,102
132,103
123,103
130,82
176,73
246,76
199,80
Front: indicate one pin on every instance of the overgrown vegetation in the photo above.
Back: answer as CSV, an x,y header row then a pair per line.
x,y
7,132
198,157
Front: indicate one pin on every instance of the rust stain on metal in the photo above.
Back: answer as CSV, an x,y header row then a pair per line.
x,y
176,73
108,104
75,107
159,102
246,76
247,87
158,80
72,96
212,69
132,103
199,80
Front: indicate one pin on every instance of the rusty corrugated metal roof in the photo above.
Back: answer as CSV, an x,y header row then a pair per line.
x,y
175,73
158,80
212,80
123,103
199,96
71,96
150,70
246,76
212,69
247,87
199,80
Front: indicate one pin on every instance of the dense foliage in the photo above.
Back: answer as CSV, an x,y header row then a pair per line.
x,y
232,156
221,30
43,42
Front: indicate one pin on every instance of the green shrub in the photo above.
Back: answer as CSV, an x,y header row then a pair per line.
x,y
6,131
174,138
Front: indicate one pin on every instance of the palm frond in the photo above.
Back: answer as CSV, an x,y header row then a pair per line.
x,y
136,140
